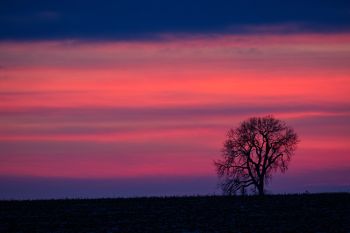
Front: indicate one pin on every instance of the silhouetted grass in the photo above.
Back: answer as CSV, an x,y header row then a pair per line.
x,y
275,213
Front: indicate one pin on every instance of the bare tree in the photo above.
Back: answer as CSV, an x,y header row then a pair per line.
x,y
253,151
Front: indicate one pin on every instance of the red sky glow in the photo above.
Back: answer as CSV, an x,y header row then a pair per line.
x,y
132,109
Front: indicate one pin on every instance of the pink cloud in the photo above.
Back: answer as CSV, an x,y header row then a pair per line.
x,y
157,108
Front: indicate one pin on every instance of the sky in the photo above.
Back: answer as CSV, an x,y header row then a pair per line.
x,y
134,98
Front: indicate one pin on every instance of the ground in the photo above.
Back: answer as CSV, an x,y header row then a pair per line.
x,y
272,213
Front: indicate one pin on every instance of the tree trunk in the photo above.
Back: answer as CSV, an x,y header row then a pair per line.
x,y
261,189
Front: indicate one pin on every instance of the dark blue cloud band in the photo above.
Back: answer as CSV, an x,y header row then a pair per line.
x,y
128,20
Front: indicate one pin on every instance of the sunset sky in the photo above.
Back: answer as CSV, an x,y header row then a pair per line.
x,y
133,98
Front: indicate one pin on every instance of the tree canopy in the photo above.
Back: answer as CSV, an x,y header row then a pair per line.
x,y
253,151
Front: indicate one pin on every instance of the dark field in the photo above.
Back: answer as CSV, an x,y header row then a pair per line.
x,y
276,213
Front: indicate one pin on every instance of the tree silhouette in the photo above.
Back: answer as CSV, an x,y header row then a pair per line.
x,y
253,151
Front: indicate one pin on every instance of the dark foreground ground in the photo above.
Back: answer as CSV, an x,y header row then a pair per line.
x,y
276,213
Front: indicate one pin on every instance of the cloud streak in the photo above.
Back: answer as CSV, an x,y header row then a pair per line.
x,y
79,109
140,20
